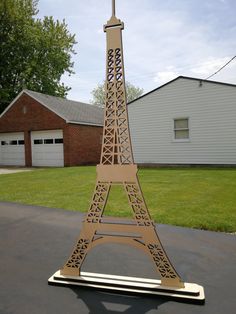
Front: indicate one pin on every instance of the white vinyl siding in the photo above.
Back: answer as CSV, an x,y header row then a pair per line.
x,y
211,109
12,149
47,148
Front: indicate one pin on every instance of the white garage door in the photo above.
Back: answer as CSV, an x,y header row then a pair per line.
x,y
47,148
12,149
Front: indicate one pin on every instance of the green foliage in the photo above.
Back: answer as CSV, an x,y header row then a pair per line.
x,y
196,197
133,92
99,94
34,53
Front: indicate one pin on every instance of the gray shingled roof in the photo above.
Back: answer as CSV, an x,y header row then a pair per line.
x,y
71,111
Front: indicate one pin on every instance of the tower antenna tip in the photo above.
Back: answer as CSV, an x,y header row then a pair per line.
x,y
113,7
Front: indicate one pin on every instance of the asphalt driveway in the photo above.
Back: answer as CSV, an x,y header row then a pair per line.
x,y
36,241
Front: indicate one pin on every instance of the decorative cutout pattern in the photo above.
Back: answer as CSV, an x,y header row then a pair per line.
x,y
116,148
98,202
78,254
138,205
162,262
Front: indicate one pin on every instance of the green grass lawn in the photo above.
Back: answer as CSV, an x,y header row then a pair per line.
x,y
193,197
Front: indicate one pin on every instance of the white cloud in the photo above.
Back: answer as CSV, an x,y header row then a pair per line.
x,y
165,76
210,66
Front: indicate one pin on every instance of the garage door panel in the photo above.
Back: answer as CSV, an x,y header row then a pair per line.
x,y
43,156
48,156
52,149
48,163
12,149
47,148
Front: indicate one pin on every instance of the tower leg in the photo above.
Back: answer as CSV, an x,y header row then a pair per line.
x,y
169,276
75,261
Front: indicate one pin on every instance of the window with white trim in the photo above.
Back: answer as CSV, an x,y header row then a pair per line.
x,y
181,129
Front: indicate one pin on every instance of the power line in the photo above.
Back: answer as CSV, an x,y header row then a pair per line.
x,y
221,67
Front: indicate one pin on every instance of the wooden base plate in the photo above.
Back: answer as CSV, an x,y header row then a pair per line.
x,y
191,292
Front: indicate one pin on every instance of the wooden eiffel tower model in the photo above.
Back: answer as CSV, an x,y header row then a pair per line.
x,y
117,168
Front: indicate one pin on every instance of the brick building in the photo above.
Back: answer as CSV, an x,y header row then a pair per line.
x,y
42,130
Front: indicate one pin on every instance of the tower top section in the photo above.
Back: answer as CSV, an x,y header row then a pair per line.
x,y
114,22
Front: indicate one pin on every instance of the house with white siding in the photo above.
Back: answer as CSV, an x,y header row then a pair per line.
x,y
186,121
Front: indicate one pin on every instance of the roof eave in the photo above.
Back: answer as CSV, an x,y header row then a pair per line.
x,y
84,123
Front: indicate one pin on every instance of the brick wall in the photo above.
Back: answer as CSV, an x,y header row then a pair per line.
x,y
82,144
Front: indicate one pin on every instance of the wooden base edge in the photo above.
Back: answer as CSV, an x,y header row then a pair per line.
x,y
122,284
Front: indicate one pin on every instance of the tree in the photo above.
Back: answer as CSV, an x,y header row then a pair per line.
x,y
98,93
34,53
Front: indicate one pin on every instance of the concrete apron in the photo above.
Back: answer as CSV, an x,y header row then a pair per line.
x,y
13,170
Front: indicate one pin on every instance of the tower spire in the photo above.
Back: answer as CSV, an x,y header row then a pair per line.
x,y
113,7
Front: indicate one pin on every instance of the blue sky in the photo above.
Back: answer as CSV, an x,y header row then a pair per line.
x,y
162,40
